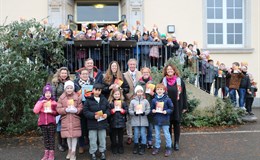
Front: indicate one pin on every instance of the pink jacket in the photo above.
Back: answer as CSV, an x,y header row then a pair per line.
x,y
45,118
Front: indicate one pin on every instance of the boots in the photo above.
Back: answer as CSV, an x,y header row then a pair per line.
x,y
142,149
46,155
114,148
136,147
51,155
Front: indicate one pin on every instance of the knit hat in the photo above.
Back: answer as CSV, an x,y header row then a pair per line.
x,y
138,87
68,83
47,88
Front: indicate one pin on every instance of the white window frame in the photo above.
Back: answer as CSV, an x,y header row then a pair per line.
x,y
224,21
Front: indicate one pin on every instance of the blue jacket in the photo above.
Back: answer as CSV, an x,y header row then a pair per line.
x,y
160,118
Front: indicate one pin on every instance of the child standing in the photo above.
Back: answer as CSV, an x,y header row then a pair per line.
x,y
96,110
252,89
69,107
118,110
138,110
162,108
46,108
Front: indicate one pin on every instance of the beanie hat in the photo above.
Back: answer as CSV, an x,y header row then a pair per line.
x,y
138,87
47,88
68,83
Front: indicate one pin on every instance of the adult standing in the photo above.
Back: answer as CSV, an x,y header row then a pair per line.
x,y
59,78
177,92
132,76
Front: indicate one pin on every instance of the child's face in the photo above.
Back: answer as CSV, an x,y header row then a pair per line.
x,y
47,94
211,62
116,95
160,91
84,75
139,93
96,92
145,37
69,90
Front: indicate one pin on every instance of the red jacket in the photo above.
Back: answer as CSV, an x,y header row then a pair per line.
x,y
45,118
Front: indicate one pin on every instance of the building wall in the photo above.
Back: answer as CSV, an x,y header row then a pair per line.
x,y
14,9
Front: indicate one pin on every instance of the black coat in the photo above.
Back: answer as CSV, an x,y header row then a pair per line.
x,y
117,119
91,106
178,105
78,87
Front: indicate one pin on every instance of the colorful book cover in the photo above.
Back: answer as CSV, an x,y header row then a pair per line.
x,y
47,107
100,114
159,107
86,91
118,82
70,102
118,105
220,72
149,87
139,109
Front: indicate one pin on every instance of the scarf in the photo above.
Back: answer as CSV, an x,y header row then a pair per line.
x,y
172,80
82,82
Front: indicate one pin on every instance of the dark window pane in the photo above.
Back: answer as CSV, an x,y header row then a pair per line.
x,y
238,39
218,13
218,3
219,39
238,3
219,28
230,13
210,14
238,28
230,38
238,14
230,3
210,27
211,39
230,28
210,3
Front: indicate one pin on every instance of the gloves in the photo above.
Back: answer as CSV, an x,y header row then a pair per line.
x,y
135,114
71,109
143,114
67,110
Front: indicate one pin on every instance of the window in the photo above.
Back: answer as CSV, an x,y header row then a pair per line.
x,y
97,12
225,23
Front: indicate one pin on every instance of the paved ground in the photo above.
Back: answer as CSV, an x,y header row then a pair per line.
x,y
236,143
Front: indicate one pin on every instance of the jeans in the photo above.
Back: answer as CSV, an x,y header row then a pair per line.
x,y
140,129
233,96
93,135
242,95
150,132
166,133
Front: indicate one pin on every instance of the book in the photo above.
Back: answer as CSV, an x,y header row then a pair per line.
x,y
86,91
149,87
159,107
118,105
47,107
118,82
139,109
70,102
220,72
100,114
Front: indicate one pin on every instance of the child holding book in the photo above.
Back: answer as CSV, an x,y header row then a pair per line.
x,y
118,110
138,110
96,110
46,108
162,108
69,107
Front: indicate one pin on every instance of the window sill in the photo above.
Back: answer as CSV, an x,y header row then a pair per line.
x,y
229,50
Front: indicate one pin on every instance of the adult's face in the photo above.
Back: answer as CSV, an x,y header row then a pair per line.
x,y
113,67
170,71
132,66
63,74
89,64
146,74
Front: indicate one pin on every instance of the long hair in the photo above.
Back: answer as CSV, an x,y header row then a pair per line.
x,y
109,75
175,69
56,77
111,97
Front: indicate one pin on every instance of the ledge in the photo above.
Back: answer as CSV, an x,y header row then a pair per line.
x,y
229,50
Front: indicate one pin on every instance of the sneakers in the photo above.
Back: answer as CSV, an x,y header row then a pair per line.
x,y
243,108
61,148
46,155
103,156
93,156
155,151
149,145
73,156
129,141
168,152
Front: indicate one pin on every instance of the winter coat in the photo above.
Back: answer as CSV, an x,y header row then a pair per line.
x,y
220,80
245,81
91,106
210,73
235,79
139,120
70,122
145,49
97,74
57,90
118,118
253,90
160,118
45,118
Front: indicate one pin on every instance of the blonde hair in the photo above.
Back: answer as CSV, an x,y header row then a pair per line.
x,y
145,68
56,77
111,96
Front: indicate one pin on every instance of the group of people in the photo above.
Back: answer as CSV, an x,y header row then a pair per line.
x,y
83,110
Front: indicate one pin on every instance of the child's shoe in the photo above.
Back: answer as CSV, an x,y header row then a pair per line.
x,y
93,156
68,155
155,151
51,155
149,145
168,152
120,149
46,155
103,156
136,147
142,149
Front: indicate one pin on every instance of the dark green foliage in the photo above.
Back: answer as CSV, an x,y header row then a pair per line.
x,y
23,73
